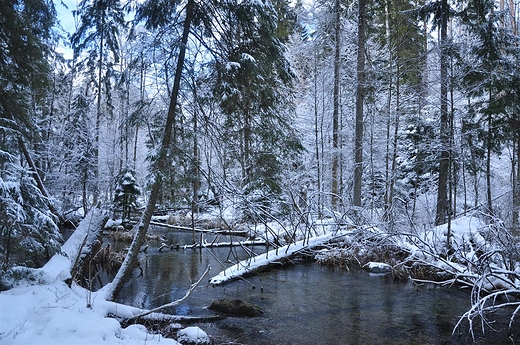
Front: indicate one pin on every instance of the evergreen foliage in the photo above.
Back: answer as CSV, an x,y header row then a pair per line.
x,y
127,193
252,87
266,105
26,28
28,231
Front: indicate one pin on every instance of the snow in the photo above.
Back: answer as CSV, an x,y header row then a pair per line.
x,y
55,314
193,335
378,267
59,265
231,65
248,57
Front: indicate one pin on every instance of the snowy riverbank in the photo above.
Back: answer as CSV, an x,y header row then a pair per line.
x,y
46,311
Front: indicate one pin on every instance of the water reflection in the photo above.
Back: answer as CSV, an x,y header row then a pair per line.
x,y
303,304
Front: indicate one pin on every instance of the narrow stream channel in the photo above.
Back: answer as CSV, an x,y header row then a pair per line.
x,y
302,303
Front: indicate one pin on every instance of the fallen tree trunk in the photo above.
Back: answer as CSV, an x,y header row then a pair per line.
x,y
69,261
225,244
208,231
273,256
177,227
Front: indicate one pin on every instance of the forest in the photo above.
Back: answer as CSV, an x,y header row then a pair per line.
x,y
396,115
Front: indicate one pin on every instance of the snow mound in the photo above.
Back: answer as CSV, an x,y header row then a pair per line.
x,y
192,336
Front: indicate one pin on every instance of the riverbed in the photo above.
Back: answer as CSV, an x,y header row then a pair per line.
x,y
303,303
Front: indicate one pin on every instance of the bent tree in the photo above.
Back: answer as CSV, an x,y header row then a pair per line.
x,y
160,165
249,77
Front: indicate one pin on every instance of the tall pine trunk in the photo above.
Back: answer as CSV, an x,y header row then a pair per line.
x,y
489,146
98,119
444,163
317,135
360,90
335,116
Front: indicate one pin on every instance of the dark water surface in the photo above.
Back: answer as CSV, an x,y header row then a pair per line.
x,y
302,303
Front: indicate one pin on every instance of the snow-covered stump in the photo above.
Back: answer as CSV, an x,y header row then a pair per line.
x,y
65,264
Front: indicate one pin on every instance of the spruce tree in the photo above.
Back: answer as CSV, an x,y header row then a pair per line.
x,y
252,84
28,231
98,34
127,192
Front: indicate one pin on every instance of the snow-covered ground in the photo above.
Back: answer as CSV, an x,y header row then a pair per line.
x,y
54,314
43,310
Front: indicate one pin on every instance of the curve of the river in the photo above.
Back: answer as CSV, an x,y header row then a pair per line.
x,y
302,303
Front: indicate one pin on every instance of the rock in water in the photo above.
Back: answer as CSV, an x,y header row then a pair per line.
x,y
378,267
235,307
192,336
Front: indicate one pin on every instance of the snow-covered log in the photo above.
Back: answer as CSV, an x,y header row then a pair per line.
x,y
252,264
80,243
241,233
177,227
206,244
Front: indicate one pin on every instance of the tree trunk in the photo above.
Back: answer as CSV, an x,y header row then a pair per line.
x,y
358,144
98,118
442,189
247,138
387,216
162,162
316,133
516,188
488,162
335,116
195,167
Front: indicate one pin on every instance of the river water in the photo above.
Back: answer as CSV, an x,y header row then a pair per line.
x,y
303,303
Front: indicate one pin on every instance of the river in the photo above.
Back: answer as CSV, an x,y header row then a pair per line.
x,y
303,303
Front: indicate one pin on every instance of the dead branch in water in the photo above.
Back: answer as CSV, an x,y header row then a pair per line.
x,y
174,303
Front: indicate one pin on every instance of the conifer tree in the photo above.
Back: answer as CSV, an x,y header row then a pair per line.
x,y
127,193
252,84
27,227
490,78
98,33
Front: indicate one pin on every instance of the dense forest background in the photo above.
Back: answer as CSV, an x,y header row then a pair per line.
x,y
397,113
